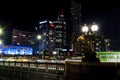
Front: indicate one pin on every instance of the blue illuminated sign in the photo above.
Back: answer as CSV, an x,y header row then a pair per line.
x,y
16,50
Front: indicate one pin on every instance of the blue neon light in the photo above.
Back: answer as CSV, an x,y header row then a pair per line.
x,y
16,50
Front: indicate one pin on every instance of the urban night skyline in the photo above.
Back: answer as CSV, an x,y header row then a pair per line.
x,y
26,15
59,40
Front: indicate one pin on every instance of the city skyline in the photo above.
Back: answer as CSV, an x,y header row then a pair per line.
x,y
25,16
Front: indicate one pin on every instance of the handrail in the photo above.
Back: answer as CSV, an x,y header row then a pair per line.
x,y
35,65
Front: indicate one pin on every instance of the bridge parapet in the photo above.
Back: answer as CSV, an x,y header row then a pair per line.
x,y
60,71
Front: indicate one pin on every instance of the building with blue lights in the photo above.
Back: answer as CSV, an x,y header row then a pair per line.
x,y
60,33
47,31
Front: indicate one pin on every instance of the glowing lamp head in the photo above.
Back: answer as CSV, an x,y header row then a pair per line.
x,y
39,37
85,28
54,52
94,27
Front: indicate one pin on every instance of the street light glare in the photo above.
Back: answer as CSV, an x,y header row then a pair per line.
x,y
54,52
39,37
94,27
85,29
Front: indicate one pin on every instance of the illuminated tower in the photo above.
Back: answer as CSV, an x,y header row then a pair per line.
x,y
46,30
60,33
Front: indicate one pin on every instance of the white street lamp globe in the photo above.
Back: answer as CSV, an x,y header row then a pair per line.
x,y
94,27
85,28
54,52
39,37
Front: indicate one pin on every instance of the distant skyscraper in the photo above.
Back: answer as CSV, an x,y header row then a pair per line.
x,y
75,22
53,34
46,30
76,18
60,33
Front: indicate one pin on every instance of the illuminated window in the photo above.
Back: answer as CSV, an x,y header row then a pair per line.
x,y
23,35
14,36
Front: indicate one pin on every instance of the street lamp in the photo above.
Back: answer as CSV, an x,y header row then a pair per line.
x,y
55,54
94,27
89,35
85,28
39,37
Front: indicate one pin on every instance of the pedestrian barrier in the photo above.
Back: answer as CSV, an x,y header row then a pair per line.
x,y
59,71
32,70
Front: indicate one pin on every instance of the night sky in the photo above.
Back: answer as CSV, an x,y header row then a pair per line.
x,y
107,16
25,15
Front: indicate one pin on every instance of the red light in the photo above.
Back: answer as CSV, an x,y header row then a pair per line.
x,y
52,25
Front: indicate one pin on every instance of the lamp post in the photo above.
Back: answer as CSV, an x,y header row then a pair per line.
x,y
39,37
43,45
89,36
55,54
85,29
89,33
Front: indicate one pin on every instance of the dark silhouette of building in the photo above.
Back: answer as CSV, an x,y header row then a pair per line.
x,y
75,18
75,22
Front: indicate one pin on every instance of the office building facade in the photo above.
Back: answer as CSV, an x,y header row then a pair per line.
x,y
47,31
22,38
60,34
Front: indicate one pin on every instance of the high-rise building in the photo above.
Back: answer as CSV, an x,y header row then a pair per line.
x,y
53,35
60,33
46,30
75,22
76,19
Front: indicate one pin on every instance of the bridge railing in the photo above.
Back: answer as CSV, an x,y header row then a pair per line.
x,y
35,65
60,71
48,69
